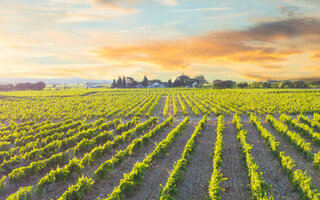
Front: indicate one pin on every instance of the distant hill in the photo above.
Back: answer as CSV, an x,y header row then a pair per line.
x,y
72,81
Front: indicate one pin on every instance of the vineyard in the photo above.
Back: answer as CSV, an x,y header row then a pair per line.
x,y
140,144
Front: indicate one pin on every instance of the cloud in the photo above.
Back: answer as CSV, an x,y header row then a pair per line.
x,y
168,2
258,44
117,5
272,67
315,69
256,77
284,29
147,27
263,45
290,11
202,9
316,56
126,5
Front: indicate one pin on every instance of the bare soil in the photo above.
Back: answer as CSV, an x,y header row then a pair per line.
x,y
198,172
105,186
159,109
197,176
315,148
273,174
237,184
56,190
170,111
158,173
300,161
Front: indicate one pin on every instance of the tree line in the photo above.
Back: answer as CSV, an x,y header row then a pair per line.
x,y
180,81
219,84
199,80
23,86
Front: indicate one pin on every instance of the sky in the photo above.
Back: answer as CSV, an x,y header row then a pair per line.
x,y
252,40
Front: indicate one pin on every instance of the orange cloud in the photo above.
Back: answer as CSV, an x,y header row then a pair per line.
x,y
256,45
316,56
256,77
115,5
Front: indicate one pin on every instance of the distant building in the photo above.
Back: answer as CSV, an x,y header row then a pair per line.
x,y
195,85
155,85
92,85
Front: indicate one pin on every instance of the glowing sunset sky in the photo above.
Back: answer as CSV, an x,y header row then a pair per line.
x,y
102,39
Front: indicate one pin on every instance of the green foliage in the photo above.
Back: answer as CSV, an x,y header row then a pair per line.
x,y
59,175
153,106
301,128
137,143
292,137
166,106
316,160
22,173
303,182
183,107
193,108
76,191
134,178
257,185
299,179
97,152
216,176
3,184
169,190
24,193
174,105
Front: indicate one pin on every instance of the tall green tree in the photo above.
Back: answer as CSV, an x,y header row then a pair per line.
x,y
169,83
145,81
119,82
124,82
114,84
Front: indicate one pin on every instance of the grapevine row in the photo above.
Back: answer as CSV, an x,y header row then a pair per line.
x,y
216,176
299,179
135,177
169,190
103,170
257,185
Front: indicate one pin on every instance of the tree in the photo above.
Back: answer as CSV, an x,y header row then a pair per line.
x,y
6,87
169,83
242,85
39,85
30,86
257,85
182,81
200,79
114,84
145,81
286,84
124,83
119,82
131,83
300,84
223,84
266,85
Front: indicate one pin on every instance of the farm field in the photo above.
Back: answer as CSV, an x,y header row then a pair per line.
x,y
141,144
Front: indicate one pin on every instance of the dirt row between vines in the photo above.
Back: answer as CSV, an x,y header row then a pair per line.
x,y
55,190
158,172
198,172
272,173
237,184
300,161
